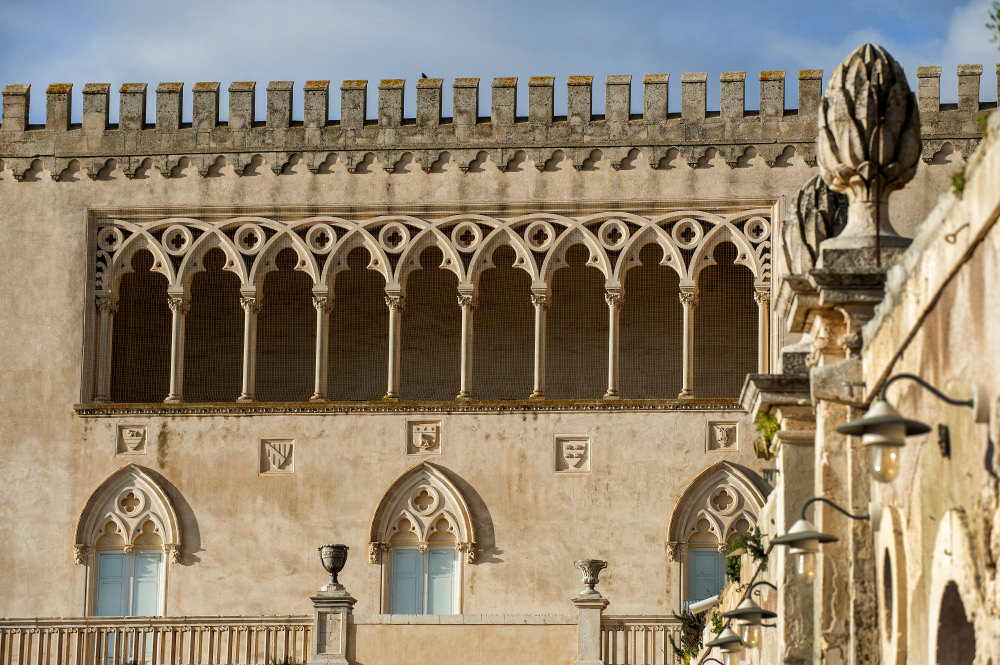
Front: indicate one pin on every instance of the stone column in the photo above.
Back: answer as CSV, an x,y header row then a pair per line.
x,y
468,303
251,308
763,300
589,605
179,307
689,300
107,305
395,303
323,305
541,302
615,301
333,608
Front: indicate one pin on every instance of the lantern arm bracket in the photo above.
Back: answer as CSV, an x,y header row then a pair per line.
x,y
758,583
971,403
823,499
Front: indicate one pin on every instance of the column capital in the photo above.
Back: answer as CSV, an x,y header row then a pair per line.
x,y
395,302
468,300
762,298
323,303
179,304
615,299
251,304
688,298
542,300
107,304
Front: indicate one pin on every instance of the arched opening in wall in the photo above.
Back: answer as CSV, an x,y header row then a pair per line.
x,y
359,332
503,332
705,564
887,592
286,333
725,327
431,332
213,337
140,347
576,347
650,347
956,636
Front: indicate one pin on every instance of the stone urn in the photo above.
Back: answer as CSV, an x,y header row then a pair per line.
x,y
333,558
591,569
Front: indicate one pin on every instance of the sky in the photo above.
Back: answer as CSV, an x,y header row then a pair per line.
x,y
117,41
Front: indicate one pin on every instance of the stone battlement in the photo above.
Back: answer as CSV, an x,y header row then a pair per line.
x,y
356,139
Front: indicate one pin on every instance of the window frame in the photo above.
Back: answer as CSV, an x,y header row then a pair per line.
x,y
129,576
423,592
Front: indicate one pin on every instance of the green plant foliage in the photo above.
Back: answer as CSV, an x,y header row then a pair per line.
x,y
751,542
733,567
993,25
692,627
767,425
717,625
958,184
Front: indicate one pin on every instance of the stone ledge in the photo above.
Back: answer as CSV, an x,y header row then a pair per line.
x,y
358,408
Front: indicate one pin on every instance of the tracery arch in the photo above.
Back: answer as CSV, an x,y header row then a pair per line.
x,y
126,501
722,502
422,496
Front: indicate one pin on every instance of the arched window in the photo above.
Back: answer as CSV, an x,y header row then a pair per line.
x,y
722,503
421,529
127,533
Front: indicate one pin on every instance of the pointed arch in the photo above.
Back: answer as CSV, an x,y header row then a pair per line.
x,y
129,498
423,496
740,485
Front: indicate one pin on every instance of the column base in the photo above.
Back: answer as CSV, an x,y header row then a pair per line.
x,y
612,395
173,399
685,394
244,399
317,398
390,397
536,395
463,396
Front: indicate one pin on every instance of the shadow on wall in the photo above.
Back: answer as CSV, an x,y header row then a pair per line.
x,y
185,516
487,551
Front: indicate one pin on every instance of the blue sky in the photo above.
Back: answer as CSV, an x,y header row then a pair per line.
x,y
120,41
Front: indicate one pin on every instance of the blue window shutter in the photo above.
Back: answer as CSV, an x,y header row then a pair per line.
x,y
441,581
112,585
705,573
406,578
146,584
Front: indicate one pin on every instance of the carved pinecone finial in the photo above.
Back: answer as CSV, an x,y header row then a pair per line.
x,y
850,153
818,213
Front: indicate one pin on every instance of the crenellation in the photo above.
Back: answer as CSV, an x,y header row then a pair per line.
x,y
810,91
59,97
390,103
316,104
15,107
694,87
732,100
242,105
279,104
205,106
504,105
132,106
618,98
541,95
353,104
730,132
929,88
654,97
429,95
968,87
772,94
96,102
466,101
169,100
579,100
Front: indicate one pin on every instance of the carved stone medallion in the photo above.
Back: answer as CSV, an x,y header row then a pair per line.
x,y
276,456
131,439
572,454
423,437
723,435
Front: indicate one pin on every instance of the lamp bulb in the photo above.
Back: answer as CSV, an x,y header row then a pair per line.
x,y
804,565
750,634
883,461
